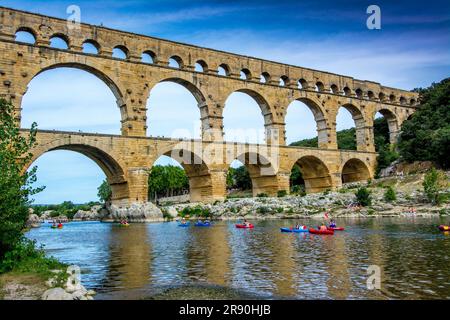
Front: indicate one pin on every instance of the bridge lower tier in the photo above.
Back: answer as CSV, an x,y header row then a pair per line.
x,y
127,161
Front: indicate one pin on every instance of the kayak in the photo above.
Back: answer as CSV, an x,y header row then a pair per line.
x,y
315,231
203,224
184,225
243,226
444,228
336,228
293,230
124,224
53,227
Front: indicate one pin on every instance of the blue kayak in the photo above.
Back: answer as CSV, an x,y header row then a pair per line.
x,y
202,224
293,230
183,225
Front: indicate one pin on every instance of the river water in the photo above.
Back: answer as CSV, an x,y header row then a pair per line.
x,y
134,262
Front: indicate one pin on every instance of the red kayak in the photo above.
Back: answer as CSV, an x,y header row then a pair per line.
x,y
315,231
336,228
243,226
444,228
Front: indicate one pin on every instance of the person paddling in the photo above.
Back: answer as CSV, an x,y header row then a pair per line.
x,y
323,227
332,224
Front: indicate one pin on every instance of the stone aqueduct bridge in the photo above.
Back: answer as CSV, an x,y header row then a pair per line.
x,y
126,158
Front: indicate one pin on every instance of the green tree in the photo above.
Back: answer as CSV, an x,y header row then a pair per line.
x,y
15,183
389,194
104,191
165,181
363,196
434,184
242,178
426,135
296,178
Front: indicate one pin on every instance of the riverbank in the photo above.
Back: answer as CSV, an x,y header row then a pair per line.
x,y
27,273
410,200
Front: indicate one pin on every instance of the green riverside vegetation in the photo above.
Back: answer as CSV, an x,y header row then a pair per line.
x,y
17,253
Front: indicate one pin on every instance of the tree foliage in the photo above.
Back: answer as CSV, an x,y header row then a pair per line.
x,y
166,181
15,183
426,135
239,178
104,191
434,184
363,197
389,194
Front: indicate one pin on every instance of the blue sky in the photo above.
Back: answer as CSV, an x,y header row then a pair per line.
x,y
412,49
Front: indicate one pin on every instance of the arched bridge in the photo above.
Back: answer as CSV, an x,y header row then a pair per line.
x,y
126,158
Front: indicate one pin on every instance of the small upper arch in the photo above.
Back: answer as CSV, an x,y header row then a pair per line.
x,y
26,35
265,77
320,87
223,70
245,74
201,66
176,62
334,89
120,52
148,57
359,93
91,46
60,41
347,91
284,81
302,84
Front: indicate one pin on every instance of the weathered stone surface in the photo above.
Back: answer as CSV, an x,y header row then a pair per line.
x,y
56,294
33,221
136,212
96,213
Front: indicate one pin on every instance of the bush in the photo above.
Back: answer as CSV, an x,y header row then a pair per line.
x,y
280,209
434,184
196,211
24,257
263,210
281,193
389,194
363,197
262,195
299,190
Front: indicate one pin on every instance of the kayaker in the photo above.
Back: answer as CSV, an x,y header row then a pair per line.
x,y
183,221
246,223
323,227
332,224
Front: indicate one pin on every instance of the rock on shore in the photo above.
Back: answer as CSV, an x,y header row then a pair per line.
x,y
136,212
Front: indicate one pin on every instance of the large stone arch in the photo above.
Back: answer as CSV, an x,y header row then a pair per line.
x,y
363,142
114,170
392,120
110,83
263,172
205,183
271,135
315,173
354,170
203,102
319,113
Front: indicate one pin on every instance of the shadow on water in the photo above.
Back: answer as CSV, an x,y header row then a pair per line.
x,y
162,260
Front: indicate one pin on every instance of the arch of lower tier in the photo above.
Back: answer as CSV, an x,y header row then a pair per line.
x,y
354,170
315,173
114,171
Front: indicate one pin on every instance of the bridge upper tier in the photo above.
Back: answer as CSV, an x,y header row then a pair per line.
x,y
134,45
